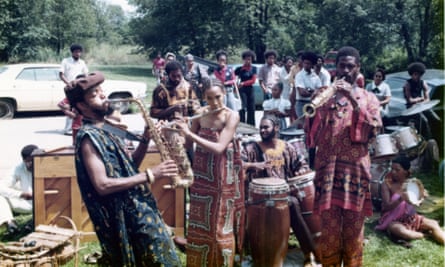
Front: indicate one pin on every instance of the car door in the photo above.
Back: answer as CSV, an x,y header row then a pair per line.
x,y
48,79
35,89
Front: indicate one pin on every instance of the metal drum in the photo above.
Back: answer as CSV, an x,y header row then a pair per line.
x,y
268,221
384,147
378,173
407,138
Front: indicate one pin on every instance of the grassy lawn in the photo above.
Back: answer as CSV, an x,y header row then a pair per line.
x,y
379,250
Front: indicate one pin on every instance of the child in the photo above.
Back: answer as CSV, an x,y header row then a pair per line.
x,y
399,218
278,106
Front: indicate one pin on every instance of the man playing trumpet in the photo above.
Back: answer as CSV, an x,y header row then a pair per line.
x,y
122,208
341,130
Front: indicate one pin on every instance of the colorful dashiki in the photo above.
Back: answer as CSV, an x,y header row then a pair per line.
x,y
165,96
285,160
128,224
341,134
216,206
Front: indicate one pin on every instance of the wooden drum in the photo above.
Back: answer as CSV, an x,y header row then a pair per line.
x,y
302,187
268,221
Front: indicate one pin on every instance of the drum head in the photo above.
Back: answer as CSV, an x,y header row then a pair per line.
x,y
268,186
415,191
302,179
268,181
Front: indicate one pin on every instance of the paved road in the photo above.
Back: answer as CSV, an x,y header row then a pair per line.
x,y
46,132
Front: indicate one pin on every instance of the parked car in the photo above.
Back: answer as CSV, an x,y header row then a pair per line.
x,y
259,94
37,87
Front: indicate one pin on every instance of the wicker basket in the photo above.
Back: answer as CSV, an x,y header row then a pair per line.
x,y
47,246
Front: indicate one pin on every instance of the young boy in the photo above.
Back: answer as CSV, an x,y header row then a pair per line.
x,y
277,105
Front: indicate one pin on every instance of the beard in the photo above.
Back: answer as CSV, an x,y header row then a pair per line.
x,y
268,137
105,111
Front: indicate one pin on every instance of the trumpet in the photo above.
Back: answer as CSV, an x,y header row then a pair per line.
x,y
168,149
316,102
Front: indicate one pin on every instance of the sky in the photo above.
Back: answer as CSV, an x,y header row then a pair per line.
x,y
123,3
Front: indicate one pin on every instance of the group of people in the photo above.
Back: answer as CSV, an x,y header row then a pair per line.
x,y
123,210
339,133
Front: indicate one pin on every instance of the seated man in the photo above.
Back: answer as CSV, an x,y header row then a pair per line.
x,y
272,157
16,191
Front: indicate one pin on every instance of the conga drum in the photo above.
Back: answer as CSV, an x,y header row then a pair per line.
x,y
268,221
302,187
300,147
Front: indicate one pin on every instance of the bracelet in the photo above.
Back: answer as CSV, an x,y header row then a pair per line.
x,y
150,176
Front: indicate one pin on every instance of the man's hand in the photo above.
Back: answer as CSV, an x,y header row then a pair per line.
x,y
26,195
166,169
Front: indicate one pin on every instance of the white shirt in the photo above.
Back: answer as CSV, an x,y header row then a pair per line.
x,y
381,92
306,80
71,68
20,181
325,77
277,103
284,78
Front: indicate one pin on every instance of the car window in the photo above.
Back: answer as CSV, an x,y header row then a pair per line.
x,y
47,74
26,75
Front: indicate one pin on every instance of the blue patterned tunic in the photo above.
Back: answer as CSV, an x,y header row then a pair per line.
x,y
128,224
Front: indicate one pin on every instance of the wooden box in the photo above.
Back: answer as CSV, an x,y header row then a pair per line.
x,y
56,193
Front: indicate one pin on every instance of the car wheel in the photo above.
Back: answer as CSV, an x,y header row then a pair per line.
x,y
122,106
6,109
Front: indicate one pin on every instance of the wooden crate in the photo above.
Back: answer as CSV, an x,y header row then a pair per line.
x,y
56,193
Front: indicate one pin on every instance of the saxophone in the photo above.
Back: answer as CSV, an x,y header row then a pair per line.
x,y
168,149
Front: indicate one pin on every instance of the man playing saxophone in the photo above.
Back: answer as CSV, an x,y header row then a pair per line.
x,y
341,131
122,208
175,99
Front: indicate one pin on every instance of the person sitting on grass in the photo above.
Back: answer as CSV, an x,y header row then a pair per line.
x,y
16,191
399,218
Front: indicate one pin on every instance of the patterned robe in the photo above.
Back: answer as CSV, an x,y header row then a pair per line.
x,y
128,223
216,206
341,134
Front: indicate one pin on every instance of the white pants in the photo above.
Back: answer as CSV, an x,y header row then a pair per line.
x,y
5,211
68,124
20,205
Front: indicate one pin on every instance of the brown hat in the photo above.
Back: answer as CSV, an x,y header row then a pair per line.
x,y
80,86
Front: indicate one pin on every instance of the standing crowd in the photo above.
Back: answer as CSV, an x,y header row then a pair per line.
x,y
327,187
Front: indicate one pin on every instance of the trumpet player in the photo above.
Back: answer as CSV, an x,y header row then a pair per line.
x,y
340,131
120,205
